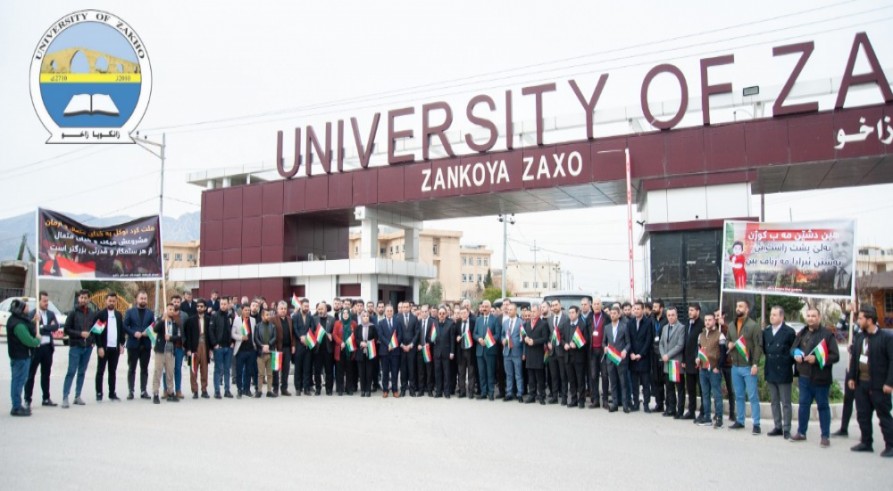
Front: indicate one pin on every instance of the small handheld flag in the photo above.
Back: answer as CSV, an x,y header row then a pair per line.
x,y
821,353
556,336
295,301
674,374
741,346
489,340
578,338
466,340
276,361
392,344
149,332
98,327
547,354
434,333
351,344
523,331
320,334
426,353
613,355
371,350
310,340
705,362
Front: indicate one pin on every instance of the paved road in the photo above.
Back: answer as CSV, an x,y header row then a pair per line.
x,y
346,442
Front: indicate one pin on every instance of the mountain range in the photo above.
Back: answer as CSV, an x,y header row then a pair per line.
x,y
182,229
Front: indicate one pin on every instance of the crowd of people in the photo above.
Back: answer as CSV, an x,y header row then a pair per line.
x,y
613,356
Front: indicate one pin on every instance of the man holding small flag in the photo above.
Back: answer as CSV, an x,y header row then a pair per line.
x,y
324,354
486,328
389,353
511,354
108,332
576,358
366,335
815,352
80,346
197,341
536,339
616,349
444,351
672,343
558,358
265,342
710,360
408,328
465,339
284,345
745,343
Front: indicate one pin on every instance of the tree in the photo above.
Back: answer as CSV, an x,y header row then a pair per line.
x,y
431,294
488,280
791,305
493,293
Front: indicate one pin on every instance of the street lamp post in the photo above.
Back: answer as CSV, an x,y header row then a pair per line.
x,y
144,143
506,220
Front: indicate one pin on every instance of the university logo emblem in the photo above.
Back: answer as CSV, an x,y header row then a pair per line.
x,y
90,79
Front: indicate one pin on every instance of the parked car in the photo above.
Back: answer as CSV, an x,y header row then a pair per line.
x,y
32,304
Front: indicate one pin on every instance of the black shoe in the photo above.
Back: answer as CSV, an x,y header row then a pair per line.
x,y
841,432
667,414
491,397
239,395
775,432
688,415
659,408
19,412
553,400
217,395
529,400
461,395
646,409
438,395
156,400
48,403
787,435
862,447
273,394
564,402
508,398
285,393
257,394
736,426
634,408
99,397
114,397
195,395
676,416
205,395
130,396
888,452
479,397
612,409
446,396
704,422
756,430
145,395
228,395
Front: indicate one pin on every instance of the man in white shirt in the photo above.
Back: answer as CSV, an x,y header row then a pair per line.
x,y
47,324
109,344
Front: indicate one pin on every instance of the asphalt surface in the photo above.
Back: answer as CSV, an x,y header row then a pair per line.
x,y
350,442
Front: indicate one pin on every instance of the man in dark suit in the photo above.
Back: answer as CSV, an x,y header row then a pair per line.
x,y
109,344
486,356
139,347
871,376
221,339
302,321
324,353
576,359
536,340
689,359
424,370
641,335
558,323
466,354
390,357
658,380
408,327
188,305
47,324
285,344
444,352
778,341
617,337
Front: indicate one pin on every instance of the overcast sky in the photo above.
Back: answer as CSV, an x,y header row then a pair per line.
x,y
218,66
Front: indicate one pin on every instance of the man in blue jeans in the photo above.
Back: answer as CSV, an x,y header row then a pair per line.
x,y
815,374
745,343
709,372
20,342
222,348
80,347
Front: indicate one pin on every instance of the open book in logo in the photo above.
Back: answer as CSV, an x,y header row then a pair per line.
x,y
90,79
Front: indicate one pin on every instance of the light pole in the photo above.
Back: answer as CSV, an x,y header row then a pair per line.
x,y
535,272
506,220
629,220
145,144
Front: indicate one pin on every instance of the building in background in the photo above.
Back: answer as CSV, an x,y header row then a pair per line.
x,y
529,279
873,259
180,255
877,289
457,268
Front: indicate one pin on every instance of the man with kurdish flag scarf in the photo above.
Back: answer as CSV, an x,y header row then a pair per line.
x,y
815,351
485,330
366,335
745,342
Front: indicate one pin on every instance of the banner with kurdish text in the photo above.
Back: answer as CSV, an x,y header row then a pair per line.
x,y
70,249
805,259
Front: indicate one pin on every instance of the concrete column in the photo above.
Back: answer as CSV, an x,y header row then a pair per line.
x,y
411,244
369,238
227,182
369,287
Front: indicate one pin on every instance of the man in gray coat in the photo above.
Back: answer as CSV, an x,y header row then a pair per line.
x,y
672,342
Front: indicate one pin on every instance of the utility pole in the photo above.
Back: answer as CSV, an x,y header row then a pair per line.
x,y
506,220
143,142
535,271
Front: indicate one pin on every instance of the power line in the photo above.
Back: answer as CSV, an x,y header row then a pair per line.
x,y
578,256
449,84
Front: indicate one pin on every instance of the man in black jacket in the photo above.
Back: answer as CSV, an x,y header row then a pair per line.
x,y
658,380
302,322
109,344
43,355
641,337
80,347
814,374
689,358
221,340
778,339
409,335
871,376
443,351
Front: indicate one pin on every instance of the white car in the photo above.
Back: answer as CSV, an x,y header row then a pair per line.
x,y
32,304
